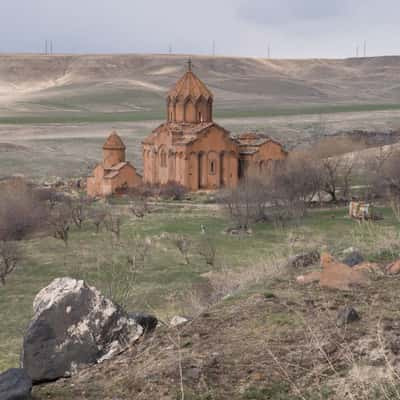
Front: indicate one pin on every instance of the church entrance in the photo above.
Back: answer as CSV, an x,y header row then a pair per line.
x,y
201,171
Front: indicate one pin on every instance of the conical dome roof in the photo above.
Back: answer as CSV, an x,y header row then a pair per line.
x,y
114,142
190,86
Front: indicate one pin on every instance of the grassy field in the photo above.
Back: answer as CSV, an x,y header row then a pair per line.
x,y
165,279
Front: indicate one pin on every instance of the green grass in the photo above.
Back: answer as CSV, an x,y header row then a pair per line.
x,y
165,277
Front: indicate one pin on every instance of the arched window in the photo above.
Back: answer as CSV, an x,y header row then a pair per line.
x,y
163,159
212,167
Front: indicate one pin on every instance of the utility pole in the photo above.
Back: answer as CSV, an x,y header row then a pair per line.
x,y
357,51
213,48
45,47
170,49
269,50
365,48
51,47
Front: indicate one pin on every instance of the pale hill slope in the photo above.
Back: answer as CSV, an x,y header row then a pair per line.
x,y
90,84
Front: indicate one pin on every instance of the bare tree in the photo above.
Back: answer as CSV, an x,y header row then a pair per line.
x,y
60,221
120,268
385,179
21,212
247,203
208,250
9,258
113,223
98,216
139,207
80,210
183,244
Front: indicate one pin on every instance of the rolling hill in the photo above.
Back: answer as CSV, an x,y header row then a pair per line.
x,y
90,88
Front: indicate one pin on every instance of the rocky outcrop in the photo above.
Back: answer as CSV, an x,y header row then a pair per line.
x,y
15,384
74,326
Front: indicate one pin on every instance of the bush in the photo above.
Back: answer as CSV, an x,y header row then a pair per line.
x,y
21,211
169,191
173,191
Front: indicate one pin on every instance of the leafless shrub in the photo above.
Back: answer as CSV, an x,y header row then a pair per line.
x,y
120,267
247,203
168,191
60,221
173,191
277,198
80,210
9,258
113,223
21,212
139,207
50,196
183,244
207,250
98,216
335,162
384,178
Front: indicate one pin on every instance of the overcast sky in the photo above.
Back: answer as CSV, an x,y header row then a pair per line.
x,y
294,28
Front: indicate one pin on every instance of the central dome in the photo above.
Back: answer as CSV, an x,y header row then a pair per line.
x,y
189,100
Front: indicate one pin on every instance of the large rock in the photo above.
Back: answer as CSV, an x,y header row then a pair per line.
x,y
353,258
147,321
310,277
304,259
336,275
346,316
73,326
15,384
393,268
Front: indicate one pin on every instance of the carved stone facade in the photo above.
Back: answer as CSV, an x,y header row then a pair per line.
x,y
192,150
259,155
114,174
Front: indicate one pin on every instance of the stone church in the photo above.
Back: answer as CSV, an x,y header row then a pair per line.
x,y
192,150
114,174
189,149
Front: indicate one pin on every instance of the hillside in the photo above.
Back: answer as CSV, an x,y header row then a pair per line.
x,y
56,111
68,86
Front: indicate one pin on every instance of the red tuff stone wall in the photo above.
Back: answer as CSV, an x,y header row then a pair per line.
x,y
113,157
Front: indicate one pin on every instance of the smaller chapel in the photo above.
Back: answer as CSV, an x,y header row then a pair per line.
x,y
192,150
114,174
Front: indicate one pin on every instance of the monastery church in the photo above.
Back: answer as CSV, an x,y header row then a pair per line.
x,y
189,149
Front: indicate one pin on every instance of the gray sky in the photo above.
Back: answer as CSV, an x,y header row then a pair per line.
x,y
294,28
